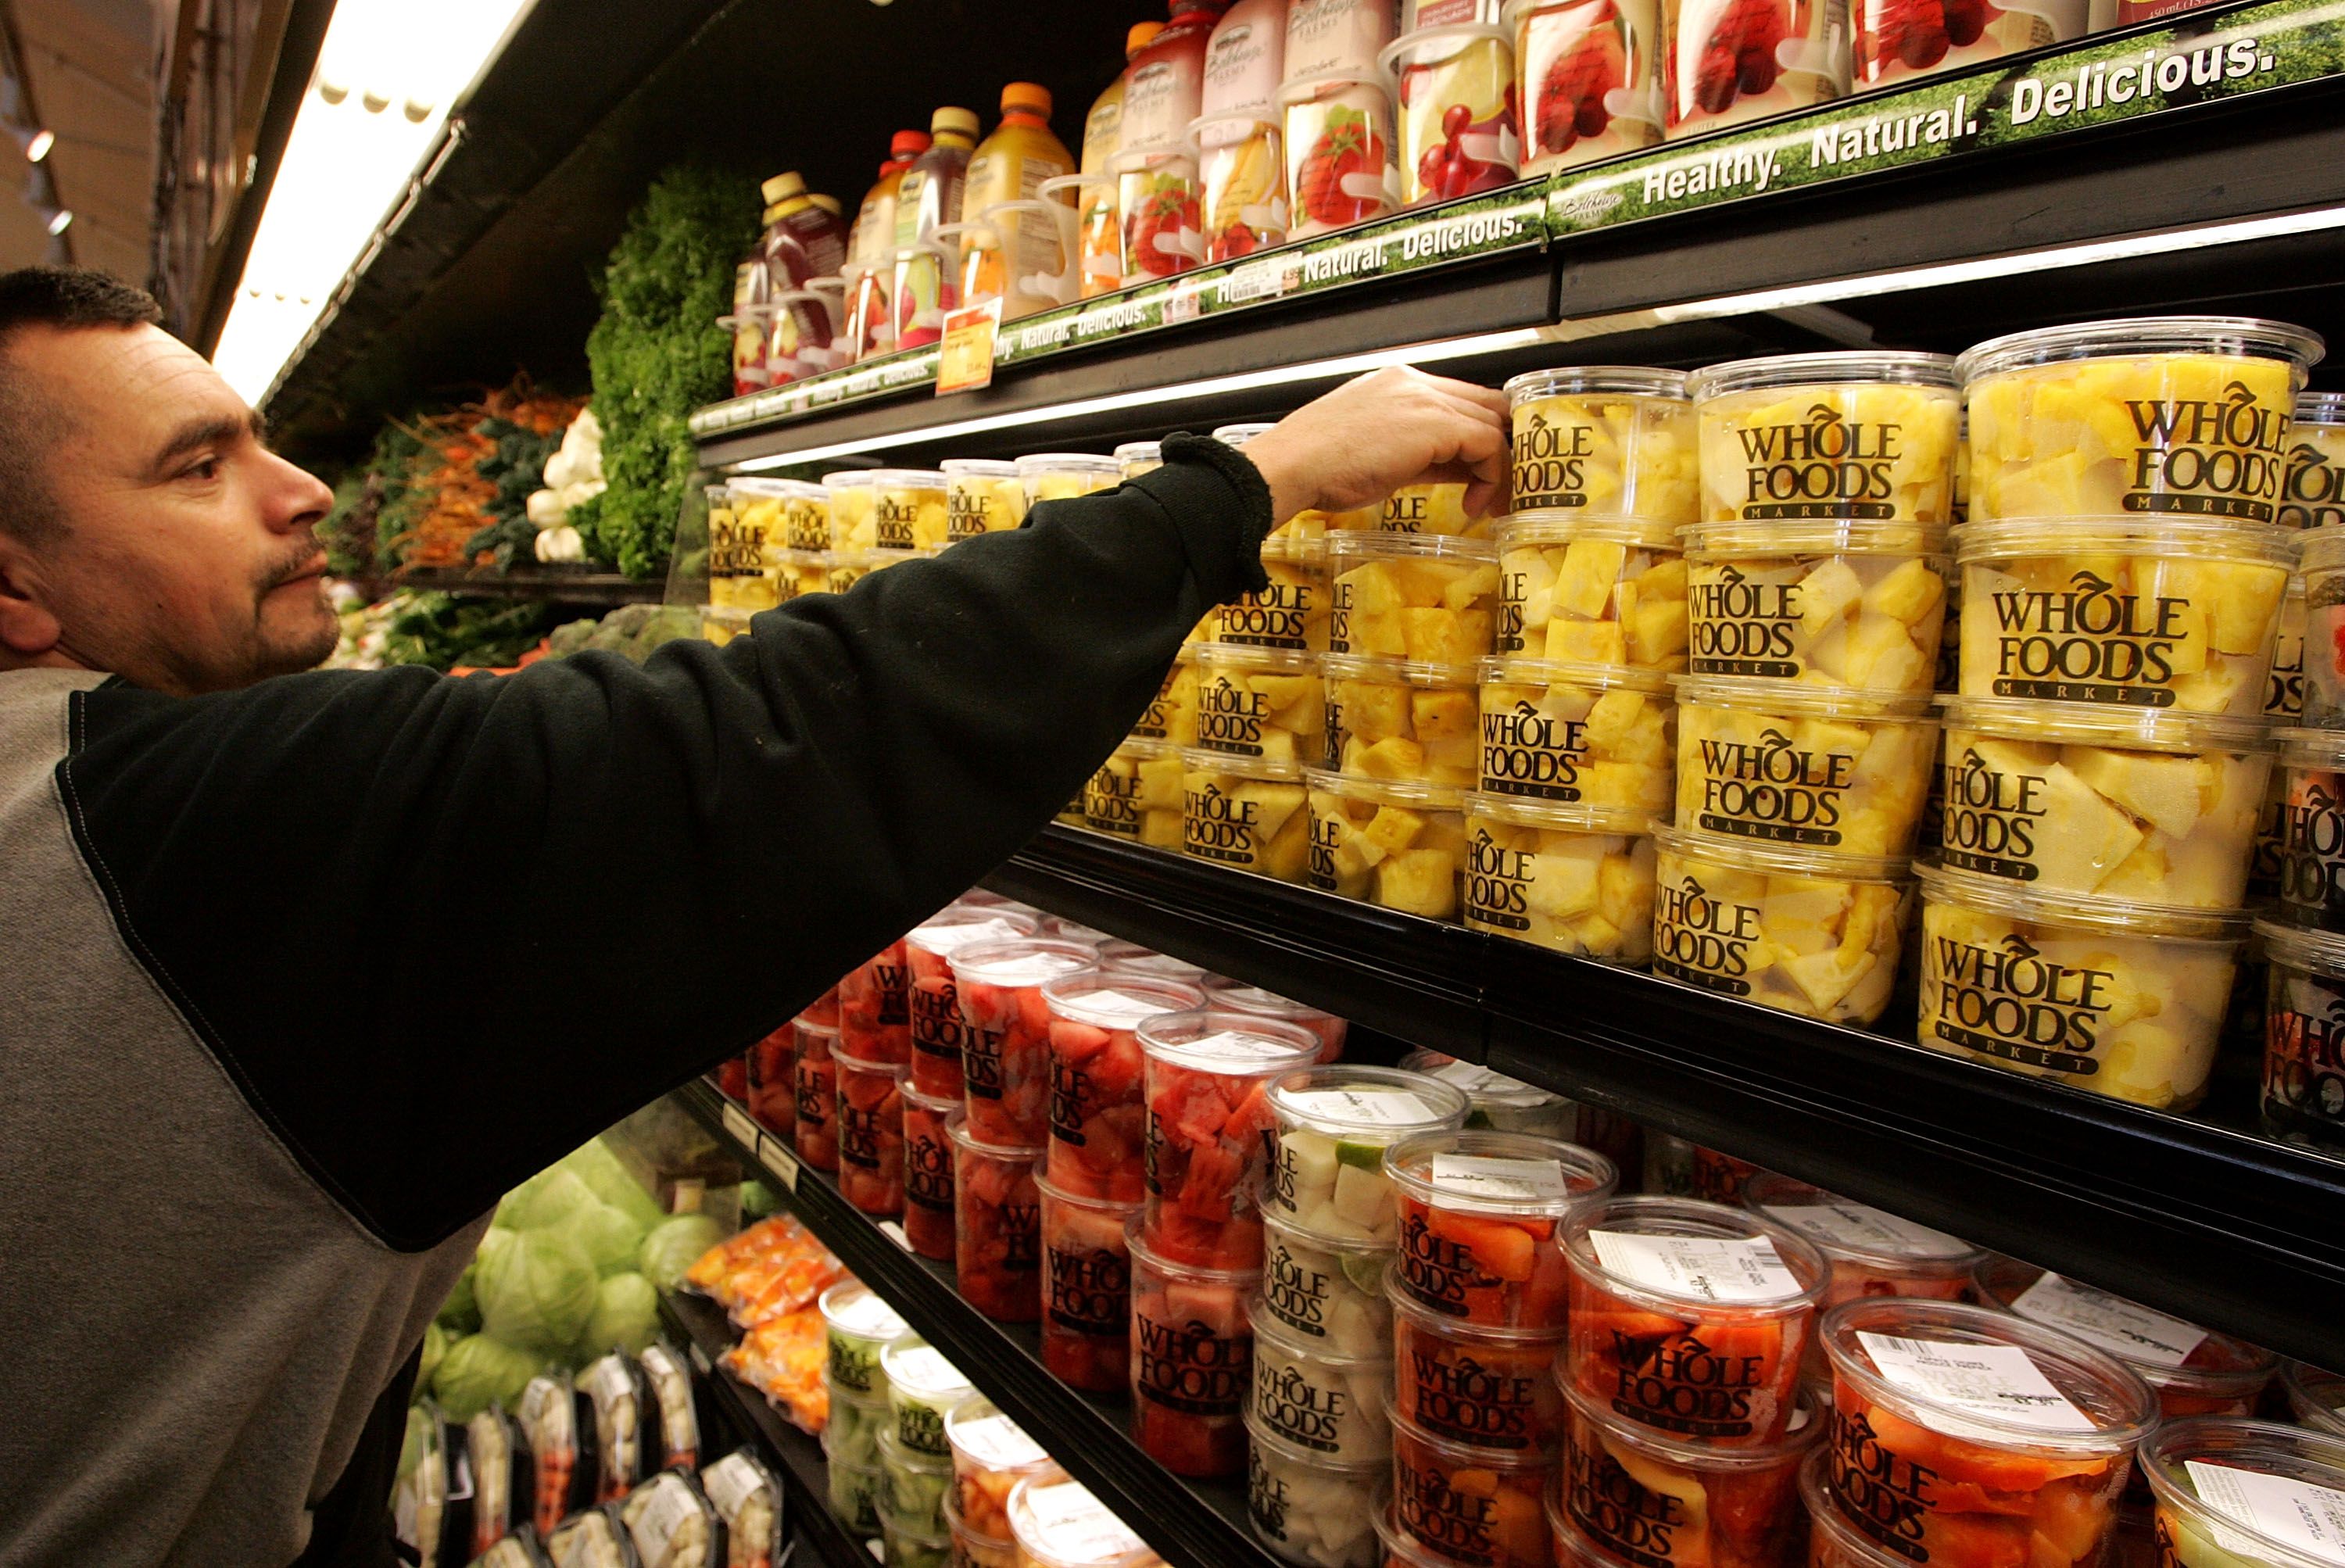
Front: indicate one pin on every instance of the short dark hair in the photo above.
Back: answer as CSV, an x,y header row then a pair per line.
x,y
65,298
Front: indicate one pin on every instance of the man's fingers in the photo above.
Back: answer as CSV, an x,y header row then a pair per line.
x,y
1490,398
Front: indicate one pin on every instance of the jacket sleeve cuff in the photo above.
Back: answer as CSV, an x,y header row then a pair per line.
x,y
1235,504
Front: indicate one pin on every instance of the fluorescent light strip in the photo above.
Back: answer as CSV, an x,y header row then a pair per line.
x,y
1979,270
1182,392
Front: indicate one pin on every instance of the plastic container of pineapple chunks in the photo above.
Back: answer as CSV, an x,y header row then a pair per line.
x,y
1135,794
1292,611
2112,996
851,500
1578,735
1172,715
1260,704
1608,591
1863,437
982,496
1801,931
1134,458
2312,482
1603,440
1057,475
1860,605
2184,416
908,509
1783,762
1438,508
1245,814
1429,597
1399,721
2130,803
1398,846
2124,612
1576,879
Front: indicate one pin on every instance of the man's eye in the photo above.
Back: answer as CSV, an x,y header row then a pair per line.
x,y
206,469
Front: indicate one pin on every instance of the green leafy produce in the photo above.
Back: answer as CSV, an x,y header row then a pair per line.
x,y
655,357
442,631
545,1200
461,1314
536,1291
479,1371
675,1245
625,1317
609,1238
609,1179
759,1200
435,1346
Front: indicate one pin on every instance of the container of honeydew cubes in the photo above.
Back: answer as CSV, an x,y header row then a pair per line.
x,y
2165,612
1592,591
916,1485
1860,605
1308,1507
1603,440
1400,846
1865,436
2312,482
922,1390
1422,597
1327,1289
905,1542
1332,1127
2117,802
2174,416
1061,475
982,496
1785,762
858,1326
2233,1492
2149,985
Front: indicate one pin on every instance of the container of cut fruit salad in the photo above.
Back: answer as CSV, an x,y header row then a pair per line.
x,y
1207,1079
1577,735
1478,1214
1688,1317
1328,1291
990,1455
1871,1253
1858,606
982,496
1061,475
2019,1426
1060,1525
997,1227
1601,441
1310,1509
858,1327
1399,845
1244,813
1332,1127
2182,417
1860,437
923,1387
1576,879
2193,1371
1290,612
1402,722
2234,1493
937,1026
1645,1498
1423,597
1488,1386
1006,1049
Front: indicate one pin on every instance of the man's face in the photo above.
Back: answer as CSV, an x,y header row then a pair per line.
x,y
186,559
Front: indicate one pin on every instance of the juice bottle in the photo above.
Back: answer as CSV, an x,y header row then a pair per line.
x,y
871,246
929,195
1240,164
1324,36
805,239
1099,224
748,323
1010,164
1156,171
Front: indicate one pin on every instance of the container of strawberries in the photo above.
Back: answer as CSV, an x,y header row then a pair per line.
x,y
997,1226
1478,1215
1098,1111
1208,1079
875,1010
1006,1050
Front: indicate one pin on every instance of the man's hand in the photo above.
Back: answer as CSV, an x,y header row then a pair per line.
x,y
1370,436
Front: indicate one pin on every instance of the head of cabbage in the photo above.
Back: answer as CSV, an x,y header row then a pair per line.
x,y
479,1371
625,1317
674,1246
536,1291
435,1346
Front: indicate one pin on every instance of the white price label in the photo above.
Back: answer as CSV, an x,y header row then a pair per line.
x,y
1478,1175
1032,968
729,1482
2111,1322
1075,1526
780,1161
1998,1381
950,938
1482,1083
657,1513
926,1370
1119,1007
999,1441
1364,1107
868,1317
2306,1517
895,1233
1237,1045
1742,1268
1840,1223
739,1128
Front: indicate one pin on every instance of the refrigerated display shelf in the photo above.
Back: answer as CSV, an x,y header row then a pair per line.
x,y
2190,1214
700,1325
1193,1524
549,585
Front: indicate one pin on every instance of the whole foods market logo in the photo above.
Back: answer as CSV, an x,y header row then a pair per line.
x,y
1218,826
1457,1396
1703,940
2304,1059
1824,466
1457,1524
1230,716
1609,1503
2312,848
1266,1499
1323,870
2088,643
1497,883
1188,1367
1272,618
2212,457
1881,1492
1552,461
1774,789
1090,1290
928,1173
1738,626
2008,1000
1303,1412
893,521
1988,818
967,512
1111,802
1294,1293
1681,1383
2312,490
1527,752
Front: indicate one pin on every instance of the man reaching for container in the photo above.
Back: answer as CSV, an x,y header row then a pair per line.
x,y
257,1103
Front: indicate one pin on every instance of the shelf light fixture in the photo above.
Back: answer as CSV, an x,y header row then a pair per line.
x,y
388,74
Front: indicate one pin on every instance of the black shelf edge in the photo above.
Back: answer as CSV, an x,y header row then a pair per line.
x,y
701,1327
1193,1524
2182,1213
550,586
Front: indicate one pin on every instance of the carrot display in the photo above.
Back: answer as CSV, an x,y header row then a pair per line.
x,y
1208,1116
1477,1216
1097,1110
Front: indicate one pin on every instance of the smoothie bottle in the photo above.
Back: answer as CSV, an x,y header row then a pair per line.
x,y
1324,36
928,196
1010,164
1156,171
1241,163
804,244
1098,222
871,327
747,324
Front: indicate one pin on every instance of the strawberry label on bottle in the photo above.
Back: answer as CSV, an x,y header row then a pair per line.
x,y
1590,68
1339,153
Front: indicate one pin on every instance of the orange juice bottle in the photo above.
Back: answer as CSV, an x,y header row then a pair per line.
x,y
1010,164
929,195
871,252
1100,227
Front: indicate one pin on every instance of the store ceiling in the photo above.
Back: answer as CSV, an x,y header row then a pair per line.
x,y
88,63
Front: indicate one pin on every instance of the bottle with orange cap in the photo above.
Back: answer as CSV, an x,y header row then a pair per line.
x,y
871,251
1009,166
1099,227
928,196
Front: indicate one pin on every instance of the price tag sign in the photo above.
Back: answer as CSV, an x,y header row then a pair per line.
x,y
780,1161
964,355
737,1123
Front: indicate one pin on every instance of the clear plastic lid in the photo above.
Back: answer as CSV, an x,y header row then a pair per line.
x,y
980,1434
1681,1256
1753,694
853,1309
1239,1281
1354,544
950,930
1144,748
1556,817
1512,532
1407,794
1516,1174
1451,1329
1295,1347
2106,724
1029,961
934,1104
1779,861
1060,1525
918,1370
1064,930
847,479
981,468
907,478
2302,949
1865,367
1807,1426
1431,47
957,1129
1483,1085
1241,655
2165,536
1371,1252
1106,999
1034,464
2315,1397
1355,1473
1236,434
1379,1105
2168,1353
1395,671
1811,538
2322,550
2057,1394
1213,1040
787,489
2247,337
1252,1000
2263,1492
1555,672
2320,408
1132,452
1597,380
1138,958
895,1458
1470,1457
2091,911
1196,759
1843,1228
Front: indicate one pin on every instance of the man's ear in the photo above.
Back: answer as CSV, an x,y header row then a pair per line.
x,y
29,629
